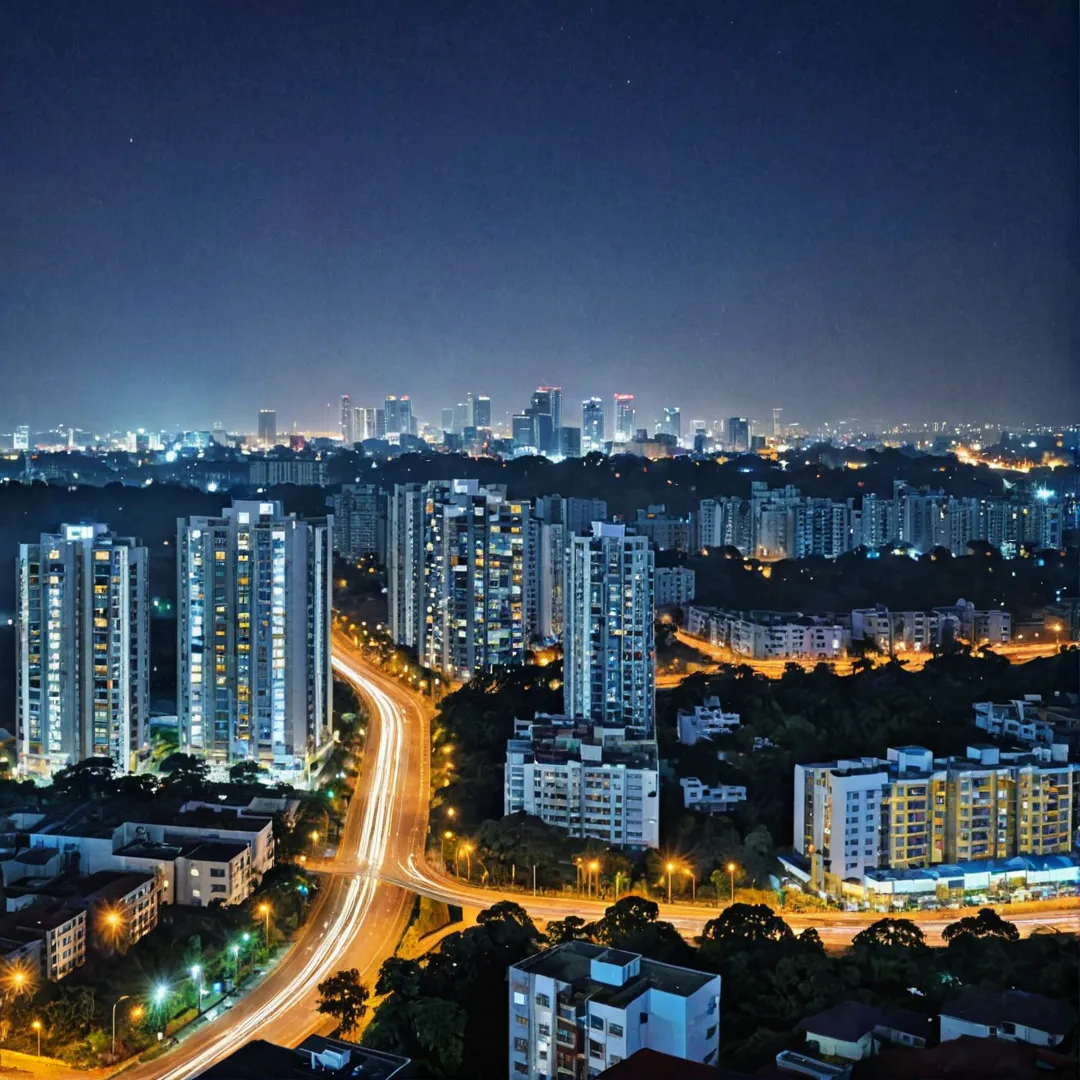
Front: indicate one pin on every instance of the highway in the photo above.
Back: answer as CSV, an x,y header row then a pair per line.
x,y
360,915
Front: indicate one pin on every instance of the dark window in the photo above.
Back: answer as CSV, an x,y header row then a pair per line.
x,y
596,1022
543,999
596,1049
616,1030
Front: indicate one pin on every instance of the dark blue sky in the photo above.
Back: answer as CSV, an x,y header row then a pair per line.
x,y
844,209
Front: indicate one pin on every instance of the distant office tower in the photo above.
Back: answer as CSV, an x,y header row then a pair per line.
x,y
358,424
469,416
21,438
738,434
82,649
545,408
609,658
446,420
570,442
356,521
624,417
672,422
777,426
399,418
253,612
268,427
405,563
592,423
482,413
348,423
523,431
372,425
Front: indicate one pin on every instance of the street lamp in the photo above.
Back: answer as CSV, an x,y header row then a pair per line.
x,y
467,848
693,883
36,1025
264,910
115,1003
670,870
313,836
196,976
731,873
594,868
235,950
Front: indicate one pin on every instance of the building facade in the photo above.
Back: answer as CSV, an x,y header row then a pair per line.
x,y
577,1009
609,653
82,650
254,605
356,521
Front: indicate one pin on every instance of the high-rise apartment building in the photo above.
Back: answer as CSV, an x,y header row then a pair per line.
x,y
356,521
579,1008
624,417
592,423
21,439
738,435
348,422
405,523
777,425
267,427
482,413
609,655
82,650
254,605
911,810
474,578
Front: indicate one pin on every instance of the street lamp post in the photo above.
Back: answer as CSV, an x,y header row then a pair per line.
x,y
731,873
115,1003
693,883
670,871
313,836
235,950
594,868
196,976
264,910
36,1025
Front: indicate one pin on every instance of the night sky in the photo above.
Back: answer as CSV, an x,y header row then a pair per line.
x,y
844,209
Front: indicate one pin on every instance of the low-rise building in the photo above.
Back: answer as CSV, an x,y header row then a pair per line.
x,y
705,721
317,1055
579,1008
720,799
1007,1014
901,631
59,934
674,586
588,780
853,1030
1054,726
771,635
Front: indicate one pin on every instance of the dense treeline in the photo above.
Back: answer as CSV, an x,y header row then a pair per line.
x,y
770,977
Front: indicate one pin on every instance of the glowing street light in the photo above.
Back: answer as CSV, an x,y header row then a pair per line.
x,y
264,910
731,873
670,870
36,1025
594,868
313,836
160,994
468,850
123,997
196,977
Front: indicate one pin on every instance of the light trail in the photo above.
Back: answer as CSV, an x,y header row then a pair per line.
x,y
343,928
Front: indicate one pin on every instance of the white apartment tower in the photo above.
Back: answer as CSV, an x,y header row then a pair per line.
x,y
82,649
609,654
253,659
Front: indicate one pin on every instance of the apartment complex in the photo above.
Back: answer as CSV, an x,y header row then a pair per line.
x,y
82,650
577,1009
587,780
675,585
911,810
255,598
609,654
771,635
718,799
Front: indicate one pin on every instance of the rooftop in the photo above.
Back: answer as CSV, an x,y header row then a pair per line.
x,y
991,1008
315,1056
849,1021
216,851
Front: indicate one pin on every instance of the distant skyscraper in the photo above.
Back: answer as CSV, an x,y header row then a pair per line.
x,y
777,426
672,422
405,563
482,413
609,657
738,434
82,650
523,431
592,423
469,419
253,663
268,427
399,418
546,402
570,442
21,438
447,419
624,417
348,422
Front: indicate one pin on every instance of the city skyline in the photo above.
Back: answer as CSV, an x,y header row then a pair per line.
x,y
689,204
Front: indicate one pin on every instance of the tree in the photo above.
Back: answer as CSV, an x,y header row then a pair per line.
x,y
187,774
747,924
626,918
572,928
399,976
986,924
344,997
439,1026
246,772
890,932
87,779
